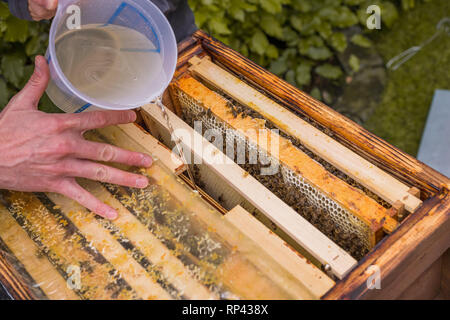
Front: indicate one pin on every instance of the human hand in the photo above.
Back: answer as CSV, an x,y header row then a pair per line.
x,y
42,152
42,9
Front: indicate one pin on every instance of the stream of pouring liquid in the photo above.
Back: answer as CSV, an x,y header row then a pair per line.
x,y
177,141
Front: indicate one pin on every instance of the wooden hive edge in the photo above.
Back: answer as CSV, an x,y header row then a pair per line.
x,y
314,280
16,288
50,282
403,256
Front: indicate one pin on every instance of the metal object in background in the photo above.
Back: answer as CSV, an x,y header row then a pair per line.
x,y
177,140
435,154
443,26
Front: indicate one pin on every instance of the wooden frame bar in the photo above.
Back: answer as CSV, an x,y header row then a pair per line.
x,y
316,283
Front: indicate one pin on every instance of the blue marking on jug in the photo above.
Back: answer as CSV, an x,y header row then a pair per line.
x,y
87,105
116,14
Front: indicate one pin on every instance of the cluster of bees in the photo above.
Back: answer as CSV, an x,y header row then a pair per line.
x,y
318,217
336,172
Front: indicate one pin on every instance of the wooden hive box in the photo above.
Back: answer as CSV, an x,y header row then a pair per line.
x,y
393,207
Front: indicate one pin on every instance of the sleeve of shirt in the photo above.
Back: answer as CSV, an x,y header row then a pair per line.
x,y
19,8
177,11
179,15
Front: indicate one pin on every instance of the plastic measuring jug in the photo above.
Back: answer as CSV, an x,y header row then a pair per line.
x,y
109,54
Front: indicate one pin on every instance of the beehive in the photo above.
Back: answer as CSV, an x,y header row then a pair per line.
x,y
357,187
349,210
391,181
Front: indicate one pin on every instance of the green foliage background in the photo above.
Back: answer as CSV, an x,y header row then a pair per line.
x,y
20,42
401,116
295,39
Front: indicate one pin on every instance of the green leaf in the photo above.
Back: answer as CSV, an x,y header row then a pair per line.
x,y
4,11
3,26
314,48
303,74
338,41
290,36
325,30
319,53
289,53
271,26
353,2
329,71
347,18
238,14
296,23
311,23
271,6
244,50
259,43
306,43
13,68
33,46
17,30
354,63
302,5
408,4
248,7
278,66
272,52
329,13
201,17
315,93
361,41
235,43
219,27
389,13
341,17
290,77
4,93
